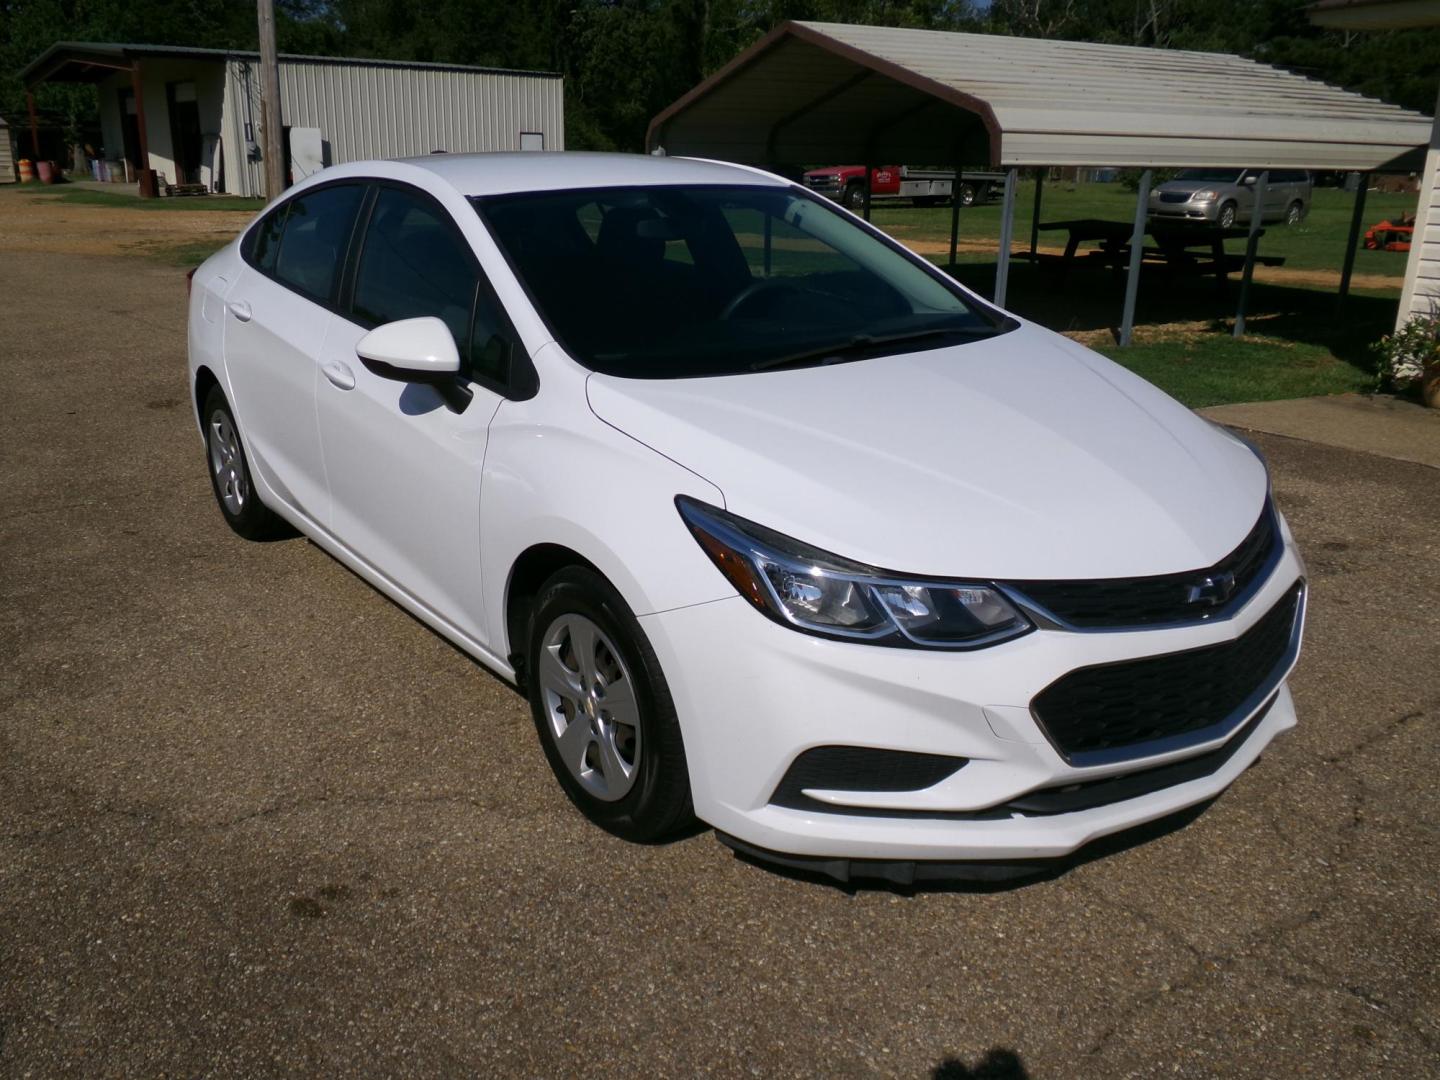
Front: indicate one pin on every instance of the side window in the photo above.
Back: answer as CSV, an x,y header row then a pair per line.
x,y
313,239
415,262
264,241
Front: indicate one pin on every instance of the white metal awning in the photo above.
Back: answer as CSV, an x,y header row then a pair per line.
x,y
812,93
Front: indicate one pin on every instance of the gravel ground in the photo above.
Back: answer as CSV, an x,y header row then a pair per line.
x,y
255,820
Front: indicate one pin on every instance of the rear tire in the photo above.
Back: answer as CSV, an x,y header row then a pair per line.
x,y
230,478
1226,217
603,710
967,195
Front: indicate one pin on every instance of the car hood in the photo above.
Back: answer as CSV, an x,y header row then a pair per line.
x,y
1020,456
1189,187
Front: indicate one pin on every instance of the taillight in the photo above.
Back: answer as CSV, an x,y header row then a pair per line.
x,y
190,280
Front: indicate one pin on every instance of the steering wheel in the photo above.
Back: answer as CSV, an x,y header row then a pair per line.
x,y
755,288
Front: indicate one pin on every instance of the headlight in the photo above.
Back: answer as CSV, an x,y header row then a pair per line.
x,y
1204,196
812,590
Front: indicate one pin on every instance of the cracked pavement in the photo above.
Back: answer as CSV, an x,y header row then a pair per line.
x,y
255,820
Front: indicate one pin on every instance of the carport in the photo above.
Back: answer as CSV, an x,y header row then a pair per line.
x,y
827,92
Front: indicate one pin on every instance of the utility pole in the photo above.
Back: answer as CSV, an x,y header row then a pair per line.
x,y
270,130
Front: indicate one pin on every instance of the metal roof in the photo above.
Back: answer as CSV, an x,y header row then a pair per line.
x,y
91,61
826,92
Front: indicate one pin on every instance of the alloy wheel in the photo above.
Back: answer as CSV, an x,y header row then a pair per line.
x,y
591,709
227,464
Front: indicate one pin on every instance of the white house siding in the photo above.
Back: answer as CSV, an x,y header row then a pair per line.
x,y
1421,295
383,111
7,156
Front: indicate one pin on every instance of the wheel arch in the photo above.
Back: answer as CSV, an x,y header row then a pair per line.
x,y
205,379
531,569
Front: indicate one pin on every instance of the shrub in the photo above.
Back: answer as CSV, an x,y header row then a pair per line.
x,y
1403,357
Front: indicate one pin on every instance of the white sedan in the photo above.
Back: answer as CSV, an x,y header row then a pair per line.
x,y
775,524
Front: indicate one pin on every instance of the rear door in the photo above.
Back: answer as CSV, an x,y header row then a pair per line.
x,y
404,466
277,314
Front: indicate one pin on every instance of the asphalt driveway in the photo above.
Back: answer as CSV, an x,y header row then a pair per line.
x,y
256,820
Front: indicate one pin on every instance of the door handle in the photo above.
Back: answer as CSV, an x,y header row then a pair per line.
x,y
339,374
240,309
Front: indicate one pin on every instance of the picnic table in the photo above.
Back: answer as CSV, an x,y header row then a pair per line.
x,y
1181,247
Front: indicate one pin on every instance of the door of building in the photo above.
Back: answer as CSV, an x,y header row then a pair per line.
x,y
185,135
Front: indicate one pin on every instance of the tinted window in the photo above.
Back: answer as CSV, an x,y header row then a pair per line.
x,y
314,237
265,240
670,282
414,262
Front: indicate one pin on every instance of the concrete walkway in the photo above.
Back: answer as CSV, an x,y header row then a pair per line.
x,y
1380,425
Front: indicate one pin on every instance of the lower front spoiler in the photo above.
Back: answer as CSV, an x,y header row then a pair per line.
x,y
974,872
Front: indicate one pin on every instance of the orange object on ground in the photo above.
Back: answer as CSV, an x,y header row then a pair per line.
x,y
27,171
1391,235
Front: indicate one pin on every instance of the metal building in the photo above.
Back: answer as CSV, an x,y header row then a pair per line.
x,y
193,115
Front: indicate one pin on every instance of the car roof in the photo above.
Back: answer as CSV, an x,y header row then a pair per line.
x,y
502,173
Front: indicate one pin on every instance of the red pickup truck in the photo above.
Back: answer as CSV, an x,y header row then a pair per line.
x,y
924,186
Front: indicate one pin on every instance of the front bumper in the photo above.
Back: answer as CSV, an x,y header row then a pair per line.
x,y
1203,211
753,696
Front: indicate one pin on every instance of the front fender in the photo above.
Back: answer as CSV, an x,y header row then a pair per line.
x,y
579,483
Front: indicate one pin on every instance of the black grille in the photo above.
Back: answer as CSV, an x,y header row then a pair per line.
x,y
1174,196
859,768
1093,712
1165,598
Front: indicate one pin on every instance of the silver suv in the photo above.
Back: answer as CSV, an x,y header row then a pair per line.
x,y
1224,196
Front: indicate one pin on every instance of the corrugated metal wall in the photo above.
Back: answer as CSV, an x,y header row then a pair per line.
x,y
366,111
7,156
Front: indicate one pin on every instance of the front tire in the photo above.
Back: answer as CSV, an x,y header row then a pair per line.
x,y
230,478
1295,213
855,198
1226,218
603,710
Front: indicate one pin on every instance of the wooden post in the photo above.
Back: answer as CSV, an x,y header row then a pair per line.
x,y
1137,256
270,117
955,214
1257,211
147,179
1007,233
1357,222
34,129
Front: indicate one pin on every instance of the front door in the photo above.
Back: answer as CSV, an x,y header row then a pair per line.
x,y
404,468
185,138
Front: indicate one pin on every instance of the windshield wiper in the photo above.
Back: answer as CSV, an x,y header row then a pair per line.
x,y
861,343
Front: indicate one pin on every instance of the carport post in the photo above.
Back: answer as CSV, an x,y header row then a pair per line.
x,y
1007,232
955,213
1035,214
1357,219
869,183
1137,256
147,185
1257,211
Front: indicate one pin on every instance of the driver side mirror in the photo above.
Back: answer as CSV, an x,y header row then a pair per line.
x,y
413,350
420,350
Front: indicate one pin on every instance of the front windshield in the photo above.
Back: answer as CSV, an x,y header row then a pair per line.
x,y
1210,176
675,282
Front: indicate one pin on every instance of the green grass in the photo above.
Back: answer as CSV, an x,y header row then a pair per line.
x,y
1217,369
116,200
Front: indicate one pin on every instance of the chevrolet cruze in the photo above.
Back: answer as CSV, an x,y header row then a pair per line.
x,y
775,524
